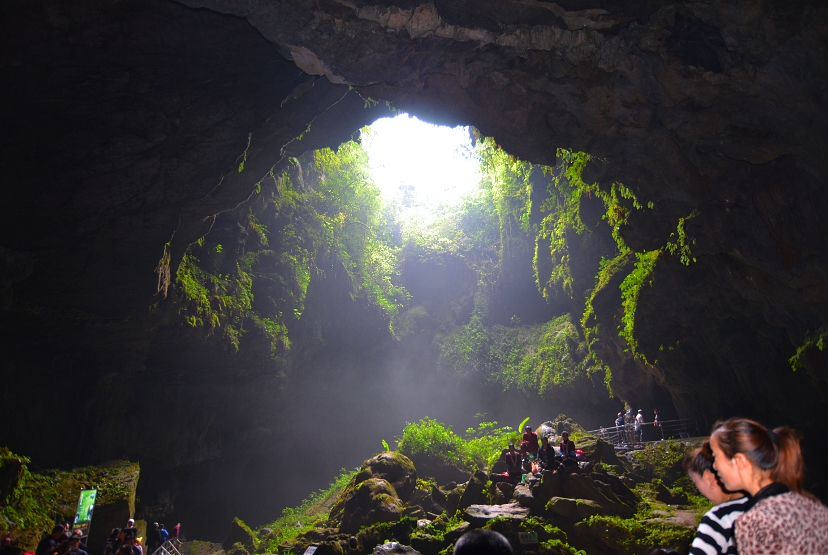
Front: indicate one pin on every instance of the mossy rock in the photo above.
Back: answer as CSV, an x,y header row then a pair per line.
x,y
369,502
31,501
242,534
395,468
630,536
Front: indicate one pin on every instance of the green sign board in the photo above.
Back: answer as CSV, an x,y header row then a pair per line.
x,y
86,504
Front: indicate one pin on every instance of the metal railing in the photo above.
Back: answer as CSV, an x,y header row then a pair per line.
x,y
667,429
169,547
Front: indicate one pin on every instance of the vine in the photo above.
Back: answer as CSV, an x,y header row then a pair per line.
x,y
814,340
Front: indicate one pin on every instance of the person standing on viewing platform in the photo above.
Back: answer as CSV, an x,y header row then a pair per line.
x,y
780,518
639,426
619,428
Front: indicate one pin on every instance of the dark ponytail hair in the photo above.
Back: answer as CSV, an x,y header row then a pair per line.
x,y
699,460
774,450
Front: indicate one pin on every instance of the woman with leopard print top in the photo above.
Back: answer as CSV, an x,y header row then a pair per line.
x,y
780,517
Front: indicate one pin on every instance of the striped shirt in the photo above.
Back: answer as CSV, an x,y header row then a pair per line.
x,y
715,533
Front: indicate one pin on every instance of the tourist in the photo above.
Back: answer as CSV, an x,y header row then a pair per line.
x,y
482,542
6,548
111,542
780,517
165,535
75,546
51,543
129,541
530,442
176,531
153,538
79,534
714,534
619,428
566,446
639,426
546,455
514,462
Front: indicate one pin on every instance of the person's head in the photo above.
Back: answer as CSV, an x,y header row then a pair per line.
x,y
58,531
74,541
114,533
527,428
544,440
640,411
699,466
78,532
482,542
620,414
131,523
655,411
511,447
747,454
7,541
162,526
565,436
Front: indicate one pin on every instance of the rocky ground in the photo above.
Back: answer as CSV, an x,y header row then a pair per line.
x,y
607,504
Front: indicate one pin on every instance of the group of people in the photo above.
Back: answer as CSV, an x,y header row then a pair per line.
x,y
122,541
542,453
62,541
630,428
754,475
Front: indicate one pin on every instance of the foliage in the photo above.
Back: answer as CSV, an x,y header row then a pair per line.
x,y
630,290
311,512
814,340
531,359
640,536
662,459
680,247
320,218
433,440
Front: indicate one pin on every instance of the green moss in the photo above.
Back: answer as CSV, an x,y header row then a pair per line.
x,y
662,459
636,536
311,513
35,498
815,340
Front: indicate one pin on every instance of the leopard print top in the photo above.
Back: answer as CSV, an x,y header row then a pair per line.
x,y
784,524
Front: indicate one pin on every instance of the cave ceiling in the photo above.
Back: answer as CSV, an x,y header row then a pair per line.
x,y
123,124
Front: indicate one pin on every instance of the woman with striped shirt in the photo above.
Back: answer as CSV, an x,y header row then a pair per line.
x,y
715,534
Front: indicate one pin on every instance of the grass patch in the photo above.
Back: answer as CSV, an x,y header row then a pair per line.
x,y
311,513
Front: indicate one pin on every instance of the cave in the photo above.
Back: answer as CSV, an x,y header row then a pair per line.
x,y
126,126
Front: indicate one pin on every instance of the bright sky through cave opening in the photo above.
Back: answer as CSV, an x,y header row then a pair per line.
x,y
420,165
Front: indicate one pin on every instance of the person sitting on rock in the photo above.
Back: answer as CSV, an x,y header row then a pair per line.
x,y
514,462
546,455
530,442
567,448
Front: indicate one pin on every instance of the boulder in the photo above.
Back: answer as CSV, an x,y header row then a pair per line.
x,y
242,534
585,508
474,494
548,487
479,515
393,467
454,534
428,544
502,492
562,506
582,487
453,499
523,495
366,503
394,548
